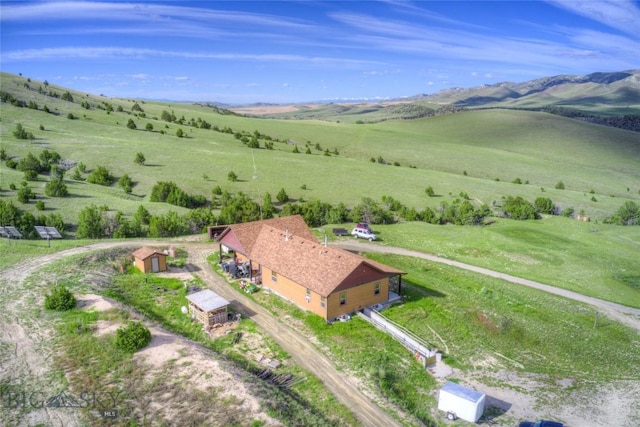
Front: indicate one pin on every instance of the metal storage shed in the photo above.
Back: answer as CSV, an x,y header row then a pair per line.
x,y
465,403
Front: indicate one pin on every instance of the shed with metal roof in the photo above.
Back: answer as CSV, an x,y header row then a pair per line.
x,y
208,307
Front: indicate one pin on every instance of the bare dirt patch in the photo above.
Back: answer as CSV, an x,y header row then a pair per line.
x,y
188,362
94,302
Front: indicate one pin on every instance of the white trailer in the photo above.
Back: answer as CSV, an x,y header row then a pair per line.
x,y
462,402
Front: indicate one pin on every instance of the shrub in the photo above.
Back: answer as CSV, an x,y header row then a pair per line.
x,y
560,185
231,176
21,133
30,175
429,191
40,205
544,205
518,208
139,159
133,337
25,193
282,196
67,96
125,183
56,188
60,299
101,176
629,213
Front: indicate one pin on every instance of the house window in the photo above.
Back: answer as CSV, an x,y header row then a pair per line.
x,y
308,295
274,276
323,302
343,298
376,288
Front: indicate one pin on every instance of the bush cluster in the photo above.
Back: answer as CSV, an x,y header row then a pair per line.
x,y
133,337
60,299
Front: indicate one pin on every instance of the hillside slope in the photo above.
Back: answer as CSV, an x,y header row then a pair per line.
x,y
476,152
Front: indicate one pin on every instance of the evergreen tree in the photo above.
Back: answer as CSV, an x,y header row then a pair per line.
x,y
91,224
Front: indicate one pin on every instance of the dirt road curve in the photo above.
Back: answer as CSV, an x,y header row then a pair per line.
x,y
297,345
627,315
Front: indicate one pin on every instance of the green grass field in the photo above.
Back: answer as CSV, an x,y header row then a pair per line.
x,y
478,152
598,260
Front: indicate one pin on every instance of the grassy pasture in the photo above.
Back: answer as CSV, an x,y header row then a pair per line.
x,y
477,314
478,152
598,260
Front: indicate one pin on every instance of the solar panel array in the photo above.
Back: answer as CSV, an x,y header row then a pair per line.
x,y
48,232
9,231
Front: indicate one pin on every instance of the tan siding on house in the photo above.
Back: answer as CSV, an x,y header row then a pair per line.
x,y
358,298
293,292
241,257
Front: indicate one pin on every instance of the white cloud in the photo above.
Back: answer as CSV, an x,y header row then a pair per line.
x,y
623,15
125,52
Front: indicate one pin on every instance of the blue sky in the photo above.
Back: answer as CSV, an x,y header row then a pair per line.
x,y
300,51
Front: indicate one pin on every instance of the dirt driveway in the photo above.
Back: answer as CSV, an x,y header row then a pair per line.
x,y
33,358
25,349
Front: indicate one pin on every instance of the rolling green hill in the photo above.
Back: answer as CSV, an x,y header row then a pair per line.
x,y
477,152
597,96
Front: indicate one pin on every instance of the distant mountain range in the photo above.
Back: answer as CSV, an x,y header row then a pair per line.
x,y
620,89
611,99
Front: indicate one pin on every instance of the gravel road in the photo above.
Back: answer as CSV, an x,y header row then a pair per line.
x,y
628,315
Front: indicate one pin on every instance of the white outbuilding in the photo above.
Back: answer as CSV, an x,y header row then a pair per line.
x,y
462,402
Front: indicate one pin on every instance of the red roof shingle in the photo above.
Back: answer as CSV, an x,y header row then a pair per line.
x,y
242,237
287,246
145,252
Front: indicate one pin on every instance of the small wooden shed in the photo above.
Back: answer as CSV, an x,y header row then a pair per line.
x,y
208,307
149,260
